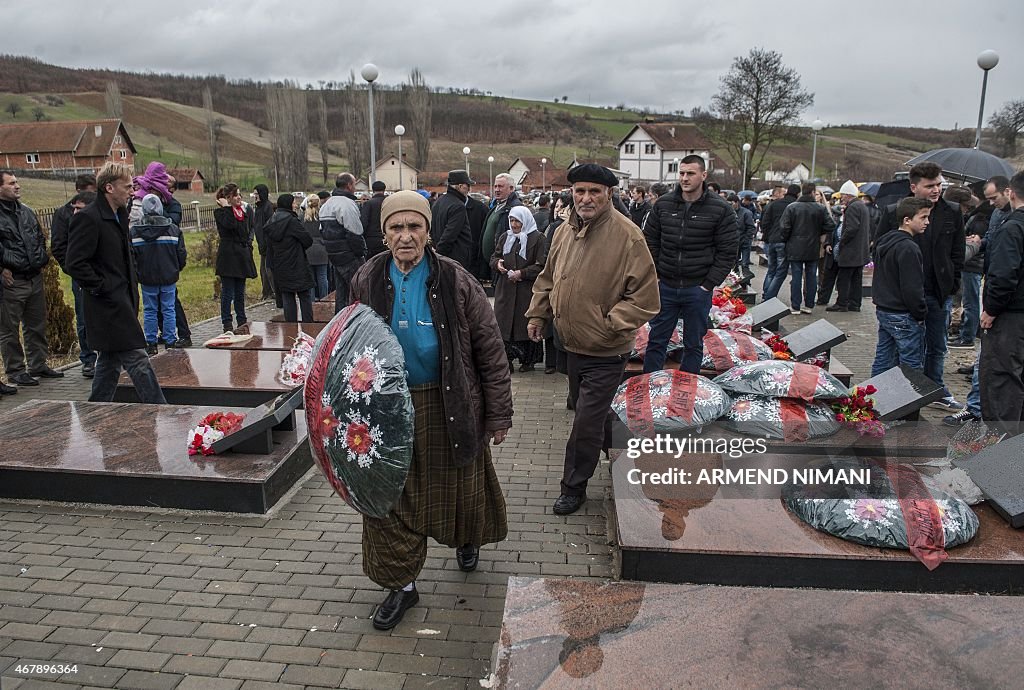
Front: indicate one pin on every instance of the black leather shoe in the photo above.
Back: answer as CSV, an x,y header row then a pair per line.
x,y
88,370
467,557
567,505
48,373
7,390
836,307
183,342
966,369
23,379
390,612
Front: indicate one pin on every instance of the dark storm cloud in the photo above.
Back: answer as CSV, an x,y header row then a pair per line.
x,y
909,63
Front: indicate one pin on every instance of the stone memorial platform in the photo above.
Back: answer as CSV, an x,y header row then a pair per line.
x,y
323,312
999,472
768,313
581,634
274,335
902,393
200,376
134,454
731,536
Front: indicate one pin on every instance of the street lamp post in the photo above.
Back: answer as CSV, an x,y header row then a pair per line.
x,y
400,130
746,151
490,172
816,126
370,74
543,175
465,152
986,61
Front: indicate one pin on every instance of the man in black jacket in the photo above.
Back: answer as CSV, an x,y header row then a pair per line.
x,y
802,226
369,214
1002,349
476,211
99,258
898,290
449,225
943,248
260,215
693,240
774,245
23,306
639,206
58,247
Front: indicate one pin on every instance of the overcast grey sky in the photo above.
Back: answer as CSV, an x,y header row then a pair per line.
x,y
894,62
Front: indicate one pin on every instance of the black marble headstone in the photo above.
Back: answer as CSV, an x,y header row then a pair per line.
x,y
768,312
820,336
999,473
254,436
902,392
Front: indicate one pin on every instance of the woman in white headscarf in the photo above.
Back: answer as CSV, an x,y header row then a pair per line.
x,y
518,259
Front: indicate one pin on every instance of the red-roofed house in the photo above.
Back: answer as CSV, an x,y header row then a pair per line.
x,y
531,174
649,151
188,178
80,146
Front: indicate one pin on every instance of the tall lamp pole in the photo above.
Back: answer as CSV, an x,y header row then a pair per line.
x,y
399,131
746,151
490,172
986,61
370,74
465,152
816,126
543,175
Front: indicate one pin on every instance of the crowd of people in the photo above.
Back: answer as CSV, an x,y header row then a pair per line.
x,y
574,276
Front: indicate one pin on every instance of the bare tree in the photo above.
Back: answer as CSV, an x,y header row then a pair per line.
x,y
38,113
759,102
324,151
214,125
287,113
417,95
13,108
115,105
1008,122
353,116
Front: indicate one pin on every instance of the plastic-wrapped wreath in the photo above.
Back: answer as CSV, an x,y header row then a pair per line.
x,y
664,401
359,412
782,379
790,419
725,349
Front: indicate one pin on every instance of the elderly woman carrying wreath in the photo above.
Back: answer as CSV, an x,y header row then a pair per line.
x,y
459,379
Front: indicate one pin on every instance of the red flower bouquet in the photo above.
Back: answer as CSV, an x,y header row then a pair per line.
x,y
212,428
857,411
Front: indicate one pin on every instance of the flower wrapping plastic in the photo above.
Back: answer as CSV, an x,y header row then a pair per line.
x,y
725,349
781,379
785,418
296,363
359,411
663,401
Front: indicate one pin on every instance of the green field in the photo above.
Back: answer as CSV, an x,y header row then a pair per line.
x,y
70,110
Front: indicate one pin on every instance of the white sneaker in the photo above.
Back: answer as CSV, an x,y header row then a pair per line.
x,y
806,310
794,312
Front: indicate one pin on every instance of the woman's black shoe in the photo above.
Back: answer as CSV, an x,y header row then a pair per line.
x,y
7,390
567,505
390,612
467,557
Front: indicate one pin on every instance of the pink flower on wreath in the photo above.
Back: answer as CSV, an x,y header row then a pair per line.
x,y
741,406
357,437
870,509
363,375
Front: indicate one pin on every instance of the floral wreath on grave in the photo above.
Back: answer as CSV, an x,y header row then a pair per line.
x,y
212,428
295,364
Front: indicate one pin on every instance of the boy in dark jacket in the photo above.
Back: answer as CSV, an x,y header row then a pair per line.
x,y
898,290
160,254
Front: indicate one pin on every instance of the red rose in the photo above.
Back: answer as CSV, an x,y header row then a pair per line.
x,y
357,436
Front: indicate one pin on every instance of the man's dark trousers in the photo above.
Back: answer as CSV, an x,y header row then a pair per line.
x,y
1001,372
850,285
592,384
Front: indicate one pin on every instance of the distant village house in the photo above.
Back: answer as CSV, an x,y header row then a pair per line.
x,y
387,172
65,147
650,151
188,179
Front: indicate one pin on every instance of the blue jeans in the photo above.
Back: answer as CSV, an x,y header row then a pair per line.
x,y
936,325
807,273
692,305
974,397
232,290
972,307
778,267
745,244
87,356
900,341
320,278
159,298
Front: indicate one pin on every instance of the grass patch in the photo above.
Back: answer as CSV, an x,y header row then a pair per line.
x,y
70,110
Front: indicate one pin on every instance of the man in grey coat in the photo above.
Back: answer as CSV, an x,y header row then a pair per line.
x,y
852,251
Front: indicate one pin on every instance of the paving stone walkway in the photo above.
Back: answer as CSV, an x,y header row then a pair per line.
x,y
196,600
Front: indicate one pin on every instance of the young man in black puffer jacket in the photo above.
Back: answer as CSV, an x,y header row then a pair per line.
x,y
693,239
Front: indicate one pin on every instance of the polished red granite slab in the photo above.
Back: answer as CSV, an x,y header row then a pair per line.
x,y
202,376
323,312
134,454
329,297
274,335
723,535
588,634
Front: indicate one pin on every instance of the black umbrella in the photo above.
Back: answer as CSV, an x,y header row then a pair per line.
x,y
891,192
972,165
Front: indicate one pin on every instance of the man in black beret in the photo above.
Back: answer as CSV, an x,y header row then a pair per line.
x,y
597,287
449,224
